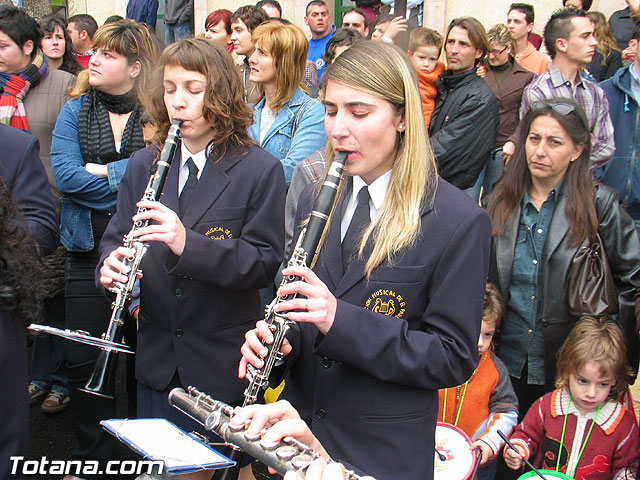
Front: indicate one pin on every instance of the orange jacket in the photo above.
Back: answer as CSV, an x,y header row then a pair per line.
x,y
428,90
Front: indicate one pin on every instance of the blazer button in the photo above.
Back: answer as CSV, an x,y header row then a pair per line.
x,y
320,413
179,333
326,362
179,292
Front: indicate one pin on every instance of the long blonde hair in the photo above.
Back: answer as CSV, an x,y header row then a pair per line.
x,y
386,72
129,39
288,46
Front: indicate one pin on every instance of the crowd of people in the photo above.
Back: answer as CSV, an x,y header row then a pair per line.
x,y
482,162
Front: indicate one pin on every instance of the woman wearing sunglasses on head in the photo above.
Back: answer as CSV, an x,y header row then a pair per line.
x,y
546,206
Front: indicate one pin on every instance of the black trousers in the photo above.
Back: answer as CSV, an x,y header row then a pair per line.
x,y
86,309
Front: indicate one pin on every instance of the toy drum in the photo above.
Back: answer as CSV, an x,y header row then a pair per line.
x,y
454,457
548,474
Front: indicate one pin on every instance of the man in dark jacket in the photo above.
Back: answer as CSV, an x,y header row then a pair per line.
x,y
623,172
143,11
465,120
178,20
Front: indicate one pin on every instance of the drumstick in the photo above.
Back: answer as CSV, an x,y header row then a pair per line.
x,y
478,460
512,447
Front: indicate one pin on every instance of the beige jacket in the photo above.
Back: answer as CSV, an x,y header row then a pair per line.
x,y
43,104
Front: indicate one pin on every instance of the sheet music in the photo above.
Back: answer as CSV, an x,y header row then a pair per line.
x,y
159,439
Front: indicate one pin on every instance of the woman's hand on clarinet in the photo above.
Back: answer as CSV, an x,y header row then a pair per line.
x,y
253,350
113,269
319,306
280,420
166,226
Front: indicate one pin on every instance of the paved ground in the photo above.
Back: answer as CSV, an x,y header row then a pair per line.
x,y
53,436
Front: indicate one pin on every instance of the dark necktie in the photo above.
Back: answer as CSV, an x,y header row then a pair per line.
x,y
189,187
359,222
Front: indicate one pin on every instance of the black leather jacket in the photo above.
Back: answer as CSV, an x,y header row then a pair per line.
x,y
463,127
622,246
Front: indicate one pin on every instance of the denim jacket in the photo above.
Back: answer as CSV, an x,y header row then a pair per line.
x,y
81,191
309,136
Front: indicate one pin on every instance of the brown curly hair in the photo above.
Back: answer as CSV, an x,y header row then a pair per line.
x,y
224,106
20,266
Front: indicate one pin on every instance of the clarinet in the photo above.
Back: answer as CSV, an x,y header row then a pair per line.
x,y
286,455
304,254
101,382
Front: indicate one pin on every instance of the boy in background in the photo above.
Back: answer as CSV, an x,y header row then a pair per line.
x,y
424,50
486,402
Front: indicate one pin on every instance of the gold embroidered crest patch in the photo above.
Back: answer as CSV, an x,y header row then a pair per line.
x,y
219,233
387,302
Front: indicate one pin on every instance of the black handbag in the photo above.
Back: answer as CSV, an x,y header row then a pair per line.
x,y
591,287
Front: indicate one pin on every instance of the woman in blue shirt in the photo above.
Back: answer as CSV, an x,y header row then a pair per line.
x,y
288,123
545,208
96,132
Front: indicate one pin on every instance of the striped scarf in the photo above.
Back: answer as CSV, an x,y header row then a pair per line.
x,y
15,87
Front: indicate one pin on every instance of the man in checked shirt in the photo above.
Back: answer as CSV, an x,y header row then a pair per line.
x,y
568,37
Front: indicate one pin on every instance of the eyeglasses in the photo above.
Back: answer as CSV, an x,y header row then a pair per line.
x,y
495,53
560,108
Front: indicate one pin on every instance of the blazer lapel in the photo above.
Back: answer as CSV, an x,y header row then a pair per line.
x,y
169,195
331,252
558,228
212,182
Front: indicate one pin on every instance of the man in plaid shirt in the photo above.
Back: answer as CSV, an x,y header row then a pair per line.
x,y
568,36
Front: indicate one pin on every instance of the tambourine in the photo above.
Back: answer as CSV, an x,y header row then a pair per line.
x,y
455,459
548,474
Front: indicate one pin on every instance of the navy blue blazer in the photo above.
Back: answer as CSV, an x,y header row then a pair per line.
x,y
22,171
368,389
195,309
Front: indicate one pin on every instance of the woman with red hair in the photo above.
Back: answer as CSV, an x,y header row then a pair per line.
x,y
218,28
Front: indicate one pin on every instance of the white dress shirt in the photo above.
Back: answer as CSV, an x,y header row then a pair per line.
x,y
377,192
200,159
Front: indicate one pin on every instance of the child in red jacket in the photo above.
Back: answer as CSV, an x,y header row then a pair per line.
x,y
579,428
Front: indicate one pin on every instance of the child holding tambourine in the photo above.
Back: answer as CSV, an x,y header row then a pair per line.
x,y
579,428
486,402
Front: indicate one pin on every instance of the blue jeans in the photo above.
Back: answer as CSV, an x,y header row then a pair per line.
x,y
48,364
489,175
176,31
488,472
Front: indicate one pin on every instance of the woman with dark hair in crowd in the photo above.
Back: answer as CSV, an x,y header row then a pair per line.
x,y
288,123
218,28
608,57
341,39
507,80
579,4
544,209
96,132
20,276
56,45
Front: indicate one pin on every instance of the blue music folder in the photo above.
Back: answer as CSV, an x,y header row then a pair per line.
x,y
159,439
